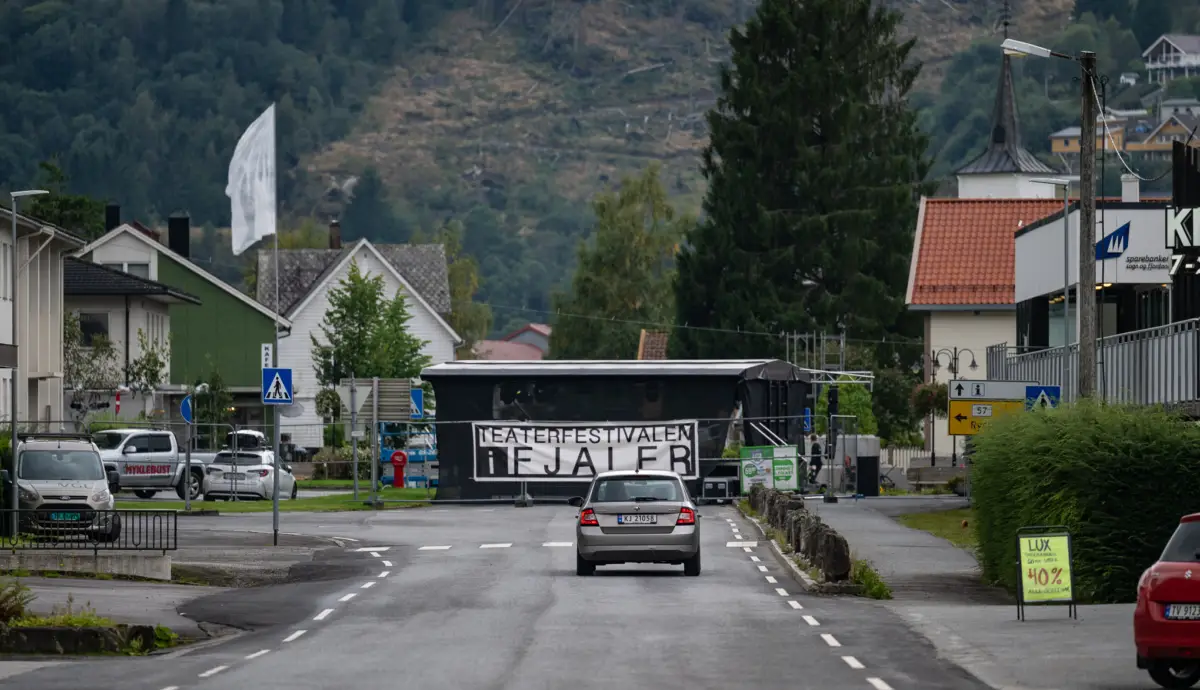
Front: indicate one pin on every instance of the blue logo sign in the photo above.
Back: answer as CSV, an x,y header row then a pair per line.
x,y
1113,245
807,419
418,403
1042,397
276,386
185,409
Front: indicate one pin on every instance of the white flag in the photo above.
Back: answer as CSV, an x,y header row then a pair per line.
x,y
251,188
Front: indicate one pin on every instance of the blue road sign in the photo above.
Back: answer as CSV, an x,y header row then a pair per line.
x,y
276,386
185,409
417,396
1042,396
807,419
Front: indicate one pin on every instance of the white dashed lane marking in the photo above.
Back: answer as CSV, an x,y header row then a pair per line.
x,y
257,654
853,663
387,564
781,591
495,546
755,559
811,621
794,604
368,585
348,597
375,555
384,573
213,671
558,543
762,568
322,615
372,548
294,636
878,684
747,545
830,640
433,548
771,580
746,549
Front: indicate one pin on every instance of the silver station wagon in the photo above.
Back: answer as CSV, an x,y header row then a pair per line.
x,y
637,517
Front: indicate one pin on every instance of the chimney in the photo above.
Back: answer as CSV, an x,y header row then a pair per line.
x,y
179,235
1130,189
335,234
112,217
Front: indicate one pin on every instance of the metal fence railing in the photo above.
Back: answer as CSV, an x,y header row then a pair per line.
x,y
1151,366
70,527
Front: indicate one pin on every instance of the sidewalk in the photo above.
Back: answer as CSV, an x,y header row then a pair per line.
x,y
937,591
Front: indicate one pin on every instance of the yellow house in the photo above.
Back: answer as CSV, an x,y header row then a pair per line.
x,y
1066,141
1158,141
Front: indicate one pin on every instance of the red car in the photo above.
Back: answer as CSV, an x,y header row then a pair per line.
x,y
1166,622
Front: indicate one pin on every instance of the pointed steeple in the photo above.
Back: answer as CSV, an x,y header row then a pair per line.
x,y
1004,153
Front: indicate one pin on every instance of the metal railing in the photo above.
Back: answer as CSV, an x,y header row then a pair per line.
x,y
1151,366
1174,61
79,528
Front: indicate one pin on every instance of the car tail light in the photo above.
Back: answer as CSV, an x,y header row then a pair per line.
x,y
262,473
588,518
687,516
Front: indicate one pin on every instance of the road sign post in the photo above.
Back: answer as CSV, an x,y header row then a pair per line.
x,y
185,411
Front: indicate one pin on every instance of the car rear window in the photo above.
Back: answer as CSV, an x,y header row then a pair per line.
x,y
623,489
1184,544
242,459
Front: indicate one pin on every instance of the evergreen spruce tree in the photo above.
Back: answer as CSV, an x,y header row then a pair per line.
x,y
815,166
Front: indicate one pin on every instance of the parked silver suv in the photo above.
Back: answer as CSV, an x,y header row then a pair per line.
x,y
61,477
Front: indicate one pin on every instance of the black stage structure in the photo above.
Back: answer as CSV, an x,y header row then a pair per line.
x,y
769,394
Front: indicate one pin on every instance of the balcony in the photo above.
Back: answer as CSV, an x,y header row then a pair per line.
x,y
1152,366
1180,61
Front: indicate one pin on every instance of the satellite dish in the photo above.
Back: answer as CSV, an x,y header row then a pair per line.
x,y
293,410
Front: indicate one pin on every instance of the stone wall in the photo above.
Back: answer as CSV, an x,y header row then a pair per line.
x,y
802,530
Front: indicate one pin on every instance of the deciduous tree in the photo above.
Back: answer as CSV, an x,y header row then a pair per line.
x,y
91,370
623,279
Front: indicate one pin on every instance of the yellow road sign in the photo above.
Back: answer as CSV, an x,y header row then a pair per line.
x,y
967,417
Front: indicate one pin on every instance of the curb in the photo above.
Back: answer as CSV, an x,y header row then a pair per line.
x,y
810,585
203,512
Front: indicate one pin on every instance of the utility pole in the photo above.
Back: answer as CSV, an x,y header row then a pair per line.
x,y
1086,287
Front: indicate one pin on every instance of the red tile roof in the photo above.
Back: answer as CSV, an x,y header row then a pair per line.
x,y
503,349
652,345
965,252
539,328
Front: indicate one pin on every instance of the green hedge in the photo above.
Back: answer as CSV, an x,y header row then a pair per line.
x,y
1119,477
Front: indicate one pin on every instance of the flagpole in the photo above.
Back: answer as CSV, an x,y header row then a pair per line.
x,y
275,352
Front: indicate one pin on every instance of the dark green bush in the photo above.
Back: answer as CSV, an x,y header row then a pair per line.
x,y
1118,477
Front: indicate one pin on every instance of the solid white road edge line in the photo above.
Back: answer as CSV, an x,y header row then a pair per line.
x,y
853,663
794,604
830,640
213,671
387,564
811,621
257,654
321,616
781,591
771,580
495,546
291,638
348,597
878,684
384,573
368,585
433,548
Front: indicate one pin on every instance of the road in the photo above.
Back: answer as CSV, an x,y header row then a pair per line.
x,y
476,598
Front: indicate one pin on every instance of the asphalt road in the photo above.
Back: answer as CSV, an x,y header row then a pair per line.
x,y
487,599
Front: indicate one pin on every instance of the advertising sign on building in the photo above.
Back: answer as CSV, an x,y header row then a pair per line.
x,y
558,452
775,467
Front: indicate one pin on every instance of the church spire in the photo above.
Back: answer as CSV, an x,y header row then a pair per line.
x,y
1004,153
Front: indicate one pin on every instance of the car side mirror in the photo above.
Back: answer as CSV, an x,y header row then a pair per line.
x,y
576,501
129,449
114,481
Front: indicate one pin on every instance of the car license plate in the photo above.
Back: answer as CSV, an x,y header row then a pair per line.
x,y
1183,612
637,519
64,517
234,475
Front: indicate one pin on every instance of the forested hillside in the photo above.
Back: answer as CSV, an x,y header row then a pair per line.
x,y
506,115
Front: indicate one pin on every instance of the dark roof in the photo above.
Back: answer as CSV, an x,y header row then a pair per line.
x,y
303,270
84,278
1004,153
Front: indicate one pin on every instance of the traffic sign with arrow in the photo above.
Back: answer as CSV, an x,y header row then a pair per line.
x,y
967,417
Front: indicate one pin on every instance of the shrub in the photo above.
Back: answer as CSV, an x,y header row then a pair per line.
x,y
1118,477
15,598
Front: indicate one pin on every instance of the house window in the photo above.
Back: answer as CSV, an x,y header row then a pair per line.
x,y
139,270
5,271
93,325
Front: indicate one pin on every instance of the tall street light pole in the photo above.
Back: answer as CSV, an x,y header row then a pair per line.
x,y
14,501
1066,315
1086,303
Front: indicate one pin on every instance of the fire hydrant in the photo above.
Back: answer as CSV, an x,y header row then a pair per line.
x,y
399,459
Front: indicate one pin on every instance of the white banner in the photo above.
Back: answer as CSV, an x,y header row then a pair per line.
x,y
251,187
564,451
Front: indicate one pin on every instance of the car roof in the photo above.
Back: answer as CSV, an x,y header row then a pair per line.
x,y
132,431
638,473
35,443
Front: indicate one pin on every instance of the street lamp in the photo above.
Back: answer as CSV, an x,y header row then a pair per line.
x,y
13,407
1066,319
952,355
1086,299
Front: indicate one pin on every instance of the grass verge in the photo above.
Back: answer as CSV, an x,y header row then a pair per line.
x,y
862,574
955,526
320,504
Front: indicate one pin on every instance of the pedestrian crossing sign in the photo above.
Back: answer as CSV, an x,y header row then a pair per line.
x,y
276,386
